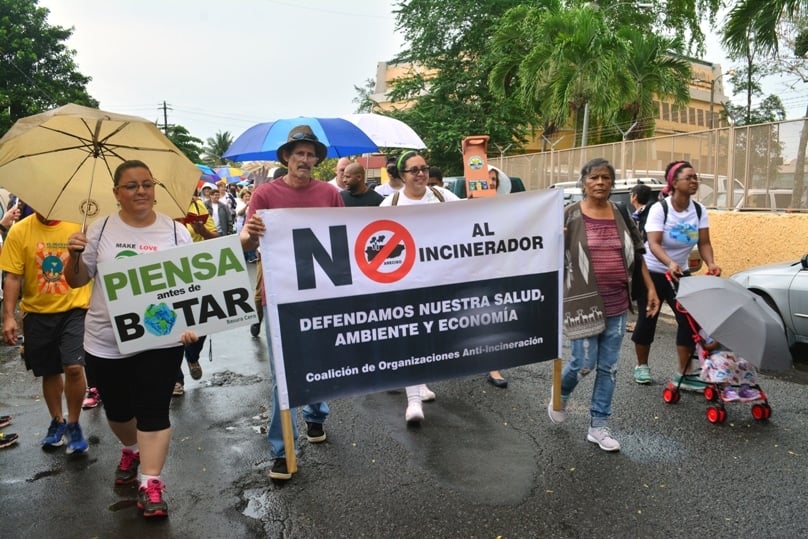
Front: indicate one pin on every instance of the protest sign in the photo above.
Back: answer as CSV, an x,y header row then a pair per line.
x,y
152,298
366,299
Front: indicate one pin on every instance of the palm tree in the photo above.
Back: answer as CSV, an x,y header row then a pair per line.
x,y
215,147
658,71
571,62
760,19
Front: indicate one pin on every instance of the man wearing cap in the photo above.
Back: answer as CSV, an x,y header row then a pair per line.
x,y
296,189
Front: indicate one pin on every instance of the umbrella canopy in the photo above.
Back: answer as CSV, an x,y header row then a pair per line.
x,y
208,174
737,318
61,162
231,174
261,142
387,132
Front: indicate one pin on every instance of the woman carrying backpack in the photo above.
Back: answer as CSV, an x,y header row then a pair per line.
x,y
674,225
412,169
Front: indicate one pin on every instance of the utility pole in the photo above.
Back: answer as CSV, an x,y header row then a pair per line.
x,y
165,109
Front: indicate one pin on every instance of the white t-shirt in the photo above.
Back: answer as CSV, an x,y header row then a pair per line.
x,y
117,240
386,189
428,198
679,233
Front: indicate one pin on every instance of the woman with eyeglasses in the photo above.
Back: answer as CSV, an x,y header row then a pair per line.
x,y
414,172
412,169
136,388
674,225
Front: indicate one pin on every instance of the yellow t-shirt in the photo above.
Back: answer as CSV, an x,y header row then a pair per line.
x,y
199,208
38,252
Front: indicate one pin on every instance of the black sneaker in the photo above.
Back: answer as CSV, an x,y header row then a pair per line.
x,y
279,470
315,433
255,329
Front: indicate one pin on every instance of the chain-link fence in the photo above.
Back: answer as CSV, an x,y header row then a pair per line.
x,y
762,161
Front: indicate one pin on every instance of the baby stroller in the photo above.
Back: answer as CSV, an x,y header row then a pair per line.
x,y
728,379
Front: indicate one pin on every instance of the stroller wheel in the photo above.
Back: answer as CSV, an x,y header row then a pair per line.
x,y
710,393
716,414
761,412
671,395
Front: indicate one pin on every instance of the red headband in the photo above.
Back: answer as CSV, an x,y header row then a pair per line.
x,y
672,175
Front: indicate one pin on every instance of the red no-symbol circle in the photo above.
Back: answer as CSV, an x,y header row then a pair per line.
x,y
372,268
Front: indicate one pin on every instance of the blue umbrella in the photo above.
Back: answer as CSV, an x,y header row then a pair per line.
x,y
261,141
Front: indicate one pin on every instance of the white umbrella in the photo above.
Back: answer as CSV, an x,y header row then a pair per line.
x,y
387,132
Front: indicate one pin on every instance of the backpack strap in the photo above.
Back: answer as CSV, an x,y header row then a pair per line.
x,y
664,203
437,193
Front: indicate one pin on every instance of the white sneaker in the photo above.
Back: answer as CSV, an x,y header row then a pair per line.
x,y
427,395
414,413
557,416
602,437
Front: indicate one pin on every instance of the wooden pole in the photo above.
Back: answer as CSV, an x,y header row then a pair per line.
x,y
557,364
288,441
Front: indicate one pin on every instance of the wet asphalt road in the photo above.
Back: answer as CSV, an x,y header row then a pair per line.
x,y
486,462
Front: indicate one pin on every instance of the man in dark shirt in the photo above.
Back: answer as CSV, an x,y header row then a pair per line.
x,y
357,192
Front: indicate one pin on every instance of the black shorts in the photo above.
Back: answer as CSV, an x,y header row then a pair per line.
x,y
53,341
138,386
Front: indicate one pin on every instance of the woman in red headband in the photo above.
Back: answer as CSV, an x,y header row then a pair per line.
x,y
674,226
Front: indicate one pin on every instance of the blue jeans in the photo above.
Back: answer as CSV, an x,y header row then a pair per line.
x,y
316,412
600,353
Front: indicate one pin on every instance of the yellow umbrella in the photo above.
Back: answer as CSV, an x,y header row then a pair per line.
x,y
61,162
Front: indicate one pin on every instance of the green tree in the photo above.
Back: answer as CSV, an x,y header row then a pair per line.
x,y
188,144
448,39
758,20
658,71
752,21
573,64
364,97
215,147
37,70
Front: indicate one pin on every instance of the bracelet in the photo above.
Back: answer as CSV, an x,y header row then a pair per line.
x,y
3,228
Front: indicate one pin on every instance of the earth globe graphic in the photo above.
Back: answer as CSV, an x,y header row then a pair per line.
x,y
159,319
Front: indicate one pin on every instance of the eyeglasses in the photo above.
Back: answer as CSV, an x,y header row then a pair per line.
x,y
416,170
132,187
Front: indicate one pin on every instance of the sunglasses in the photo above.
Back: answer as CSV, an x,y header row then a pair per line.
x,y
305,136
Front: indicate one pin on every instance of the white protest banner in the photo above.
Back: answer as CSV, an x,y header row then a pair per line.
x,y
366,299
152,298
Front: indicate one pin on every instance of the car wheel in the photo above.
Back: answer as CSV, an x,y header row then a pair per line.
x,y
770,302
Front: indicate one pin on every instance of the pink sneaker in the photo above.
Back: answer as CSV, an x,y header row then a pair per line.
x,y
150,499
92,399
